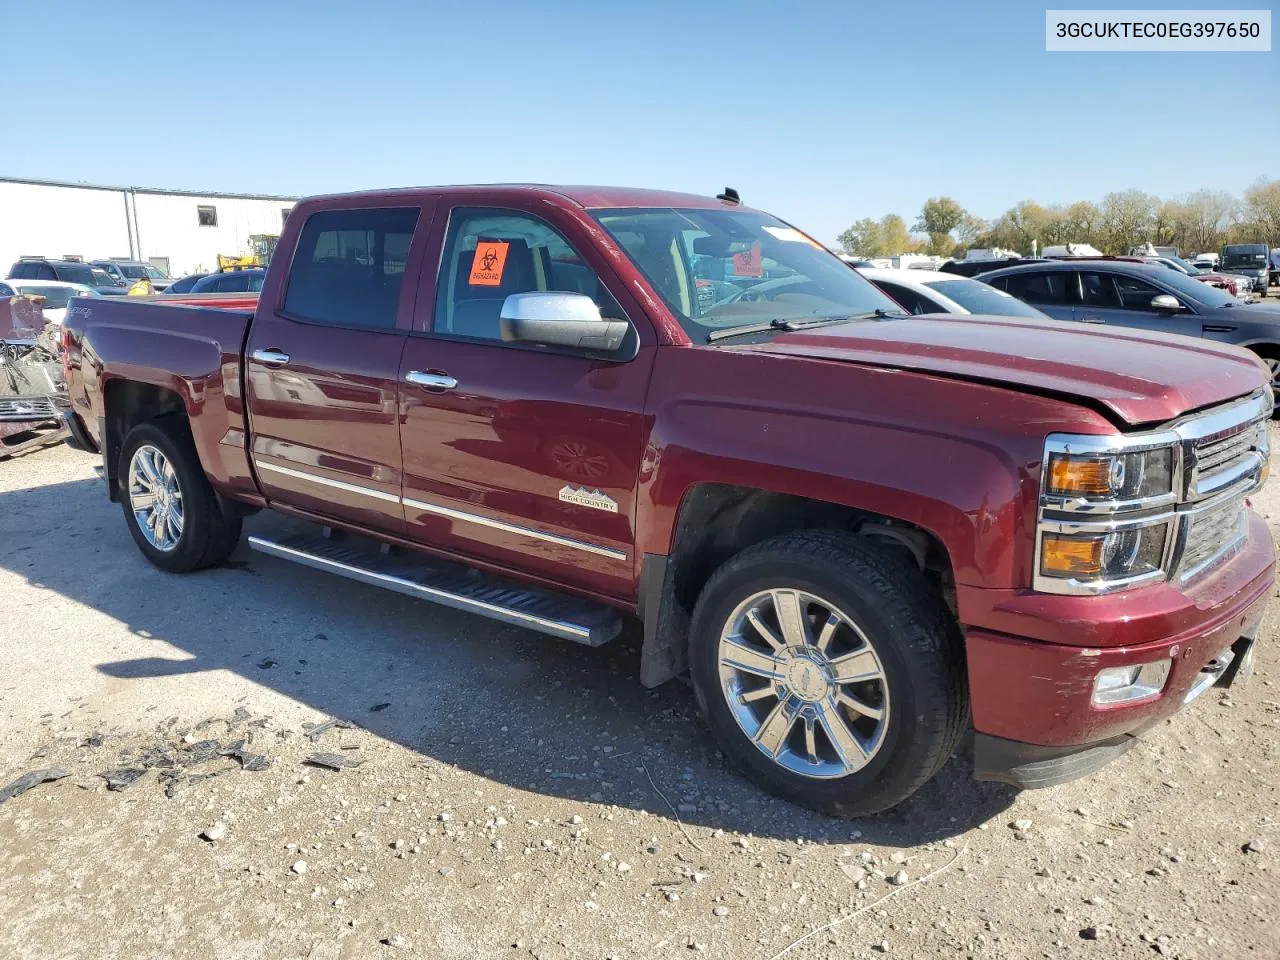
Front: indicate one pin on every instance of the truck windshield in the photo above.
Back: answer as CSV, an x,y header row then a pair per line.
x,y
1245,257
717,269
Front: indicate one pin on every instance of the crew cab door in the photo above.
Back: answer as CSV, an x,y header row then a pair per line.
x,y
515,455
1124,301
322,366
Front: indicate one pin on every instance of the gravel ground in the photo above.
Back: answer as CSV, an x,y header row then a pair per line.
x,y
507,795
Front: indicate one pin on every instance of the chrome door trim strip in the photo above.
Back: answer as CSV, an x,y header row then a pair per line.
x,y
326,481
513,528
452,514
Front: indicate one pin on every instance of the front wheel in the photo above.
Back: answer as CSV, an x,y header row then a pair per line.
x,y
829,672
170,509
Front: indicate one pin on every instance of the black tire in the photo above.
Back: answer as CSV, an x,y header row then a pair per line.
x,y
914,635
209,534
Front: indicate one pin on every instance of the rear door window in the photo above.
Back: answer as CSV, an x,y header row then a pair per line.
x,y
349,267
1135,294
1040,287
1099,290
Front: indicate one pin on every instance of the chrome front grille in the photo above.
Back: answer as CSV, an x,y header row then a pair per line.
x,y
1219,462
27,408
1211,536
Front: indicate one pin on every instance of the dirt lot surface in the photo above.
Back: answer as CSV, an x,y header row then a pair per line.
x,y
510,796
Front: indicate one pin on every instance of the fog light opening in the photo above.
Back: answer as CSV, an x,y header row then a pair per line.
x,y
1127,684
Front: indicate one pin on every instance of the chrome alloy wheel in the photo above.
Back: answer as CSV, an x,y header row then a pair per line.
x,y
1274,366
155,498
804,683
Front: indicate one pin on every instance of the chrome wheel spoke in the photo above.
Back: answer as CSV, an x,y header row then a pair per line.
x,y
846,745
143,500
855,667
751,696
772,734
741,657
810,740
786,604
828,631
857,706
767,634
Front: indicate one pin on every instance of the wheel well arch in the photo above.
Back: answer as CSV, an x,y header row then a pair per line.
x,y
125,404
1265,349
717,520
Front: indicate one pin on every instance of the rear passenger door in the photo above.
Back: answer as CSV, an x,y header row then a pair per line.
x,y
322,366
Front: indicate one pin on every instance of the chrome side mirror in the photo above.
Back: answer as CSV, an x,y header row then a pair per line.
x,y
1165,301
569,320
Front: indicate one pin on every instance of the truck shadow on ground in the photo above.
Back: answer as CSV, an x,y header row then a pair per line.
x,y
530,712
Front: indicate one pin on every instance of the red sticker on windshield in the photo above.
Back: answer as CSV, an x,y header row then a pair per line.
x,y
748,263
487,264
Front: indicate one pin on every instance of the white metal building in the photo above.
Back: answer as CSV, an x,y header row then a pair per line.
x,y
179,231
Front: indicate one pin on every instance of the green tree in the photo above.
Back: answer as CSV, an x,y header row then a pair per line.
x,y
939,215
1128,217
1262,207
863,239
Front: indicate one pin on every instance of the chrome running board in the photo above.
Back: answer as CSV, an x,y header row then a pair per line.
x,y
452,586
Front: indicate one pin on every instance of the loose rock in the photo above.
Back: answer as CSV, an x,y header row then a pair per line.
x,y
214,832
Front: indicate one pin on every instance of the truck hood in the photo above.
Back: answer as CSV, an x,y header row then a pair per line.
x,y
1140,377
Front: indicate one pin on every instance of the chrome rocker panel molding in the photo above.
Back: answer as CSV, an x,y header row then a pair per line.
x,y
438,510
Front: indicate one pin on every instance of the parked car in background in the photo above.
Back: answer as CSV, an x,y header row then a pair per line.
x,y
931,291
127,271
858,530
1252,260
1185,266
1275,268
67,271
57,295
1152,297
233,281
971,268
184,284
1234,285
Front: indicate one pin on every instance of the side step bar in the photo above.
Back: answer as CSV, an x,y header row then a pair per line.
x,y
452,586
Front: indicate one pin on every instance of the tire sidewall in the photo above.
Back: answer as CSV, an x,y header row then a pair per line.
x,y
902,753
191,482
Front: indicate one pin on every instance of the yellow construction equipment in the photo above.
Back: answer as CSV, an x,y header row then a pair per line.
x,y
226,263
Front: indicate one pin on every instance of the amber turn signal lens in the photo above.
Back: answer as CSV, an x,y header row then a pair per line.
x,y
1080,478
1061,556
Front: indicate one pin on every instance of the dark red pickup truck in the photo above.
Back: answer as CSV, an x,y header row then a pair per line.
x,y
860,532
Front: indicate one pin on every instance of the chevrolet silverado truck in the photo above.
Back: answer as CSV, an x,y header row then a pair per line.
x,y
860,533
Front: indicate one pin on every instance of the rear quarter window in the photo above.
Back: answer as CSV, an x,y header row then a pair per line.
x,y
349,267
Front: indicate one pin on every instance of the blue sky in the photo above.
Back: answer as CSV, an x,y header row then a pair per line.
x,y
819,112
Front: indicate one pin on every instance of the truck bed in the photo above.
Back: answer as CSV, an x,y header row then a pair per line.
x,y
191,354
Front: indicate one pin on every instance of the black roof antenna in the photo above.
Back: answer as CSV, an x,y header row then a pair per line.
x,y
730,195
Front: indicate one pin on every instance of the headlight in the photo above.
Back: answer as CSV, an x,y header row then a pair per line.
x,y
1106,513
1112,476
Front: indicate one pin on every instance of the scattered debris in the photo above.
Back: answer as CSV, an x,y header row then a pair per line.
x,y
314,733
331,761
214,832
267,664
93,740
200,752
299,867
1254,846
122,777
34,778
379,707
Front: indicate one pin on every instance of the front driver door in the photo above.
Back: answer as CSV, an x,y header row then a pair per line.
x,y
1123,301
517,456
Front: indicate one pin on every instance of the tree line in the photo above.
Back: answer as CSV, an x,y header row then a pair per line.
x,y
1198,222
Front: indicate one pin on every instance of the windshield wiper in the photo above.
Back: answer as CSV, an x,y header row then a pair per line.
x,y
788,325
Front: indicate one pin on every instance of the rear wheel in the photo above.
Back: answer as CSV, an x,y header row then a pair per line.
x,y
829,672
171,511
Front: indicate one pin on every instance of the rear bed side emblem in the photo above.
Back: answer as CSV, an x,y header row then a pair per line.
x,y
584,497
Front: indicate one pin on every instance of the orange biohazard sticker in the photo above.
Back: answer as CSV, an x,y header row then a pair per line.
x,y
487,264
748,263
